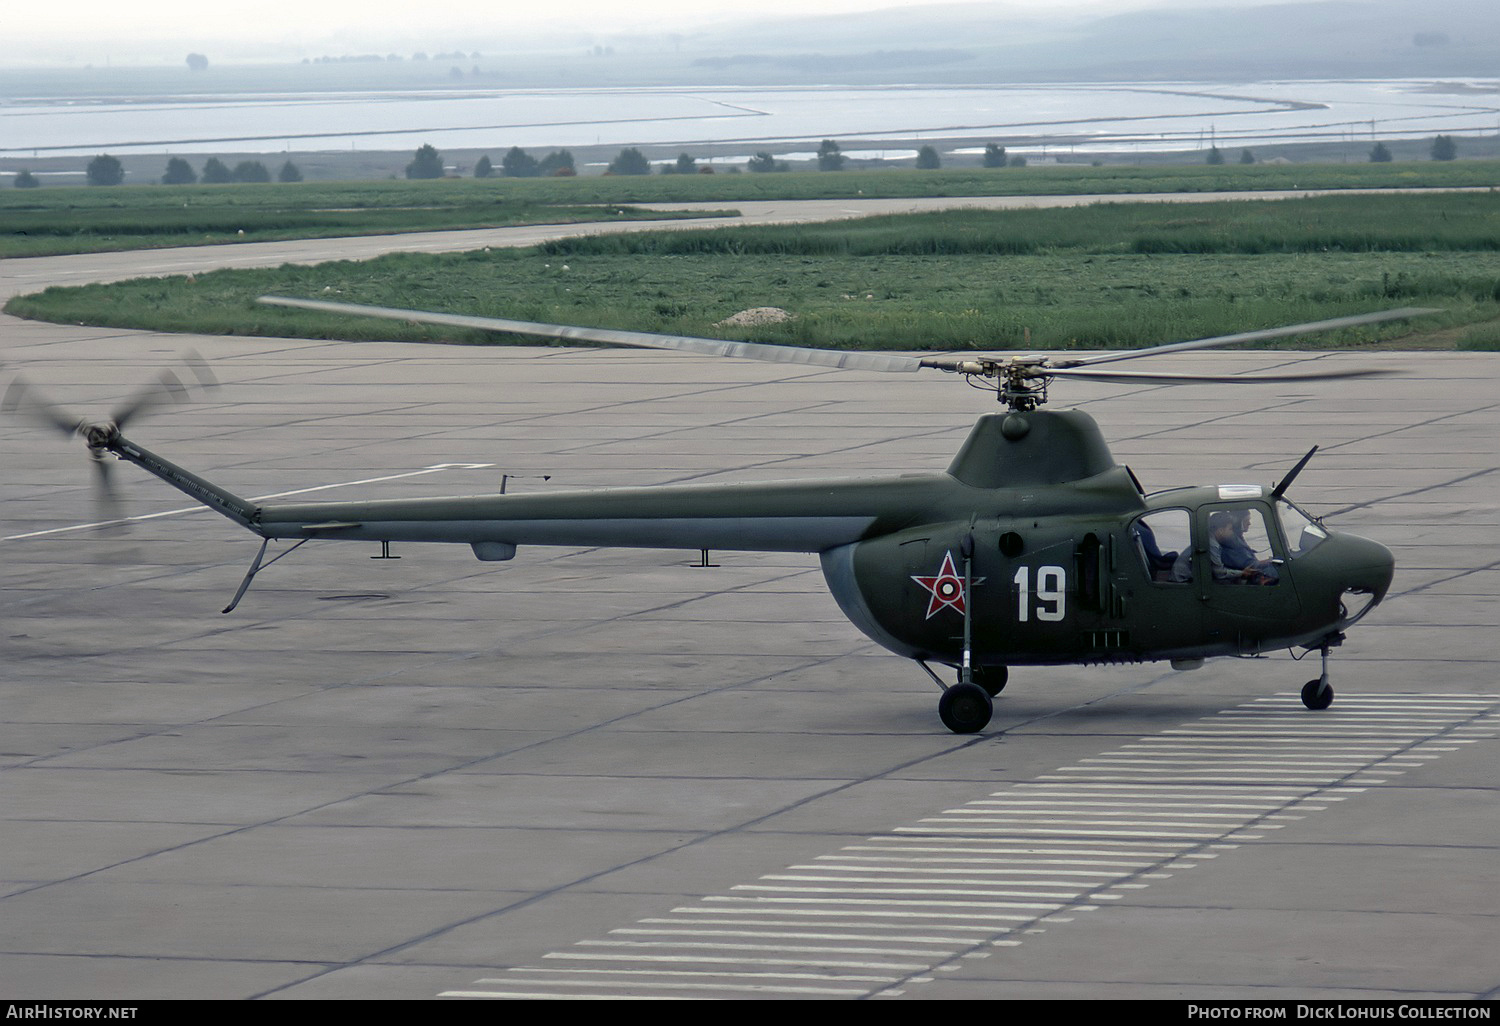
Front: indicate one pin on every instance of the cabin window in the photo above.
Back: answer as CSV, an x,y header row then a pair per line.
x,y
1164,542
1302,532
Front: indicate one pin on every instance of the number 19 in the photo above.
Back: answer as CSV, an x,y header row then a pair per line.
x,y
1050,596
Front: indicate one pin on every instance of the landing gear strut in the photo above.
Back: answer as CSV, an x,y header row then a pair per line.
x,y
1318,694
965,708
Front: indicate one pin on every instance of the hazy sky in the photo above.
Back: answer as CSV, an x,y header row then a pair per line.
x,y
96,30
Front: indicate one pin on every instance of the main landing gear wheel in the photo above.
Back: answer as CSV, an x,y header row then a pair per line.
x,y
965,708
1317,694
991,678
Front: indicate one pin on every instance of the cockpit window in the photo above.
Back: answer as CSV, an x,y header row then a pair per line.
x,y
1164,543
1239,547
1303,533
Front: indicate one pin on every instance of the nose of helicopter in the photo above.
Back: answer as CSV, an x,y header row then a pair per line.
x,y
1363,569
1366,566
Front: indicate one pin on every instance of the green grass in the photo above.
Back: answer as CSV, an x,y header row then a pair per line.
x,y
1481,338
1103,276
1441,222
45,222
36,222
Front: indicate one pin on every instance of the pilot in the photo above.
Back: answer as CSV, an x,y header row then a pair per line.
x,y
1233,558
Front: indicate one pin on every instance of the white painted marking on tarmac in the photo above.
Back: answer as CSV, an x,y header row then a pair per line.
x,y
877,918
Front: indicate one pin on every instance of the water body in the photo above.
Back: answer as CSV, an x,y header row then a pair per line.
x,y
1157,116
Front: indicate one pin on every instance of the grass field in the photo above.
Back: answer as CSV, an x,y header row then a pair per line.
x,y
47,222
1100,276
37,222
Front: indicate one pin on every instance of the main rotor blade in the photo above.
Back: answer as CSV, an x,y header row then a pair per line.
x,y
1254,336
1286,482
1155,378
614,337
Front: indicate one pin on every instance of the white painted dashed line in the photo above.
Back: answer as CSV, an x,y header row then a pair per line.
x,y
657,931
877,918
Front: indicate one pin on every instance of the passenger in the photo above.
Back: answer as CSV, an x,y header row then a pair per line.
x,y
1182,566
1159,562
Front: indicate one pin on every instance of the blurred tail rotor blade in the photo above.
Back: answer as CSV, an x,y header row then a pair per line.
x,y
22,399
168,388
107,505
201,370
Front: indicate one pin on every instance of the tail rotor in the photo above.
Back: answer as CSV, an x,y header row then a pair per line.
x,y
22,399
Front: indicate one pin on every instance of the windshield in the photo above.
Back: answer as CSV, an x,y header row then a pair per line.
x,y
1303,533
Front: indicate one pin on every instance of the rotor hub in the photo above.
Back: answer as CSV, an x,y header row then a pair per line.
x,y
101,436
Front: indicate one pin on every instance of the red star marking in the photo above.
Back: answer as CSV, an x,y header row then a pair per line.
x,y
947,588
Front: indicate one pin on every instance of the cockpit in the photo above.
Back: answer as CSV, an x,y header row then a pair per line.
x,y
1239,540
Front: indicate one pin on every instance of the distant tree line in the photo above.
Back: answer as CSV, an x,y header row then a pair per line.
x,y
517,163
995,156
1443,147
427,162
104,170
216,172
391,58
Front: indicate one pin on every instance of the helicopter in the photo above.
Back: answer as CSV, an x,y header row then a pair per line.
x,y
1033,547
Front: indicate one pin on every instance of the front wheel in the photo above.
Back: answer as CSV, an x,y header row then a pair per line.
x,y
1317,695
965,708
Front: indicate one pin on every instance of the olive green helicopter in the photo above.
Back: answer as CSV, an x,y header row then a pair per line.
x,y
1034,547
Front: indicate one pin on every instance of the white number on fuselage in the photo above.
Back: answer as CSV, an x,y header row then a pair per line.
x,y
1050,595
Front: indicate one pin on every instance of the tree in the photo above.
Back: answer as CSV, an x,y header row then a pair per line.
x,y
1215,155
928,159
763,162
686,164
197,62
630,162
251,171
1380,155
559,162
994,155
289,173
517,163
105,170
215,172
179,172
1246,157
25,180
484,169
1017,161
1444,148
427,163
830,157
